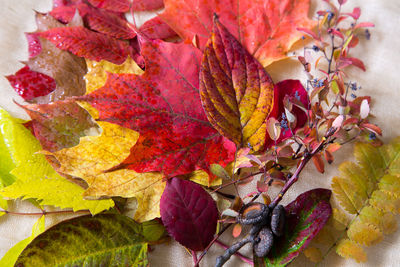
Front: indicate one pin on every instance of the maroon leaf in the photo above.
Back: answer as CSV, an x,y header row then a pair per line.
x,y
189,213
143,5
85,43
305,217
30,84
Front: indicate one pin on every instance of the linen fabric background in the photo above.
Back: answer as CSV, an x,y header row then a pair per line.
x,y
381,81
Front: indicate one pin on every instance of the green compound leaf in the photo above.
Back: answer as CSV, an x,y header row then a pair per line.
x,y
102,240
11,256
34,177
369,190
305,217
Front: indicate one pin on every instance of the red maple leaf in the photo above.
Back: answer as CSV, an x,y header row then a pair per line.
x,y
164,106
143,5
267,29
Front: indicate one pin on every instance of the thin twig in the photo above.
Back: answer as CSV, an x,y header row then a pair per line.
x,y
237,254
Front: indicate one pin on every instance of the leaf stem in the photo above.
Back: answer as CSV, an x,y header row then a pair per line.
x,y
304,160
43,212
237,254
194,256
212,242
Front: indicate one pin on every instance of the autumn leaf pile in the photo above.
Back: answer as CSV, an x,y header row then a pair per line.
x,y
141,114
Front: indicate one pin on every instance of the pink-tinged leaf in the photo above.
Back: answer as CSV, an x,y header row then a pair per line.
x,y
235,90
64,10
372,128
188,213
364,25
342,2
355,14
305,217
356,62
60,124
164,106
144,5
291,89
34,47
309,32
30,84
106,22
155,28
267,29
112,5
85,43
336,32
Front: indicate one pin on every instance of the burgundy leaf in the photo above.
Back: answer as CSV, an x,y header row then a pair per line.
x,y
85,43
189,213
30,84
305,217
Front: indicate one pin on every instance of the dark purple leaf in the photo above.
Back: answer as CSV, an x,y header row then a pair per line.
x,y
305,217
189,213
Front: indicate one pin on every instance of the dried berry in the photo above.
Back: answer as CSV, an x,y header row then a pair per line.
x,y
265,242
254,213
278,220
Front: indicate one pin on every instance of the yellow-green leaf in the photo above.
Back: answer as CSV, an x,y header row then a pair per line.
x,y
364,233
94,155
36,178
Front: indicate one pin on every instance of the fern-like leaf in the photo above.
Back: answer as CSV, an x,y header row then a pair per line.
x,y
369,190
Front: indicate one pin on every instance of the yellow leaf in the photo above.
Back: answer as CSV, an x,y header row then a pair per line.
x,y
385,201
97,72
96,154
345,191
201,177
313,254
349,249
363,233
340,220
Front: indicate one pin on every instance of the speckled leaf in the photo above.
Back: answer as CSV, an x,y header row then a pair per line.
x,y
155,28
102,240
30,84
189,213
175,135
267,29
95,154
236,92
306,216
60,124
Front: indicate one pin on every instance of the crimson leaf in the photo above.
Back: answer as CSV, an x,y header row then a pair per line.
x,y
189,213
